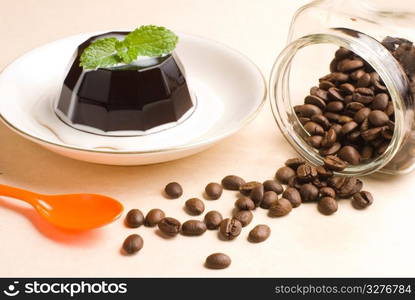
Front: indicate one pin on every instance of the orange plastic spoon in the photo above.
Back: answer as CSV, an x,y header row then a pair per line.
x,y
71,211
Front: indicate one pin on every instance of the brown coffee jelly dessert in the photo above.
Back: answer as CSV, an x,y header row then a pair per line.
x,y
133,98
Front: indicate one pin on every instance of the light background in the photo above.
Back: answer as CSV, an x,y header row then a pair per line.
x,y
376,242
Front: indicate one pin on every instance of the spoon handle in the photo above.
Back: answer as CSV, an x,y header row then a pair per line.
x,y
9,191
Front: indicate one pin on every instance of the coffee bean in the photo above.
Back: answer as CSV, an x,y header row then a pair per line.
x,y
194,206
357,74
259,234
153,217
313,128
334,95
132,244
134,218
269,198
309,192
323,173
169,226
321,120
349,127
330,137
350,186
292,195
193,228
294,163
362,199
371,134
337,128
336,182
230,228
280,208
380,102
363,81
283,174
346,88
389,110
306,172
315,101
244,203
326,85
331,116
342,53
331,150
257,194
345,119
378,118
355,106
218,261
327,206
348,65
350,155
361,115
335,106
357,97
364,91
272,185
307,110
213,190
244,216
327,192
334,163
247,188
173,190
315,140
213,219
232,182
366,153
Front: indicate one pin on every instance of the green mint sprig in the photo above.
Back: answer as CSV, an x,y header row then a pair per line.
x,y
148,40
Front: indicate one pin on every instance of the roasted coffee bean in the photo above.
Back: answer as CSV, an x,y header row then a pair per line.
x,y
371,134
349,127
173,190
326,85
331,116
218,261
307,110
363,81
346,88
232,182
321,120
293,196
230,228
213,190
327,192
213,219
169,226
327,205
380,102
193,228
362,98
345,119
323,173
348,99
294,163
153,217
322,94
132,244
335,106
342,53
280,208
348,65
306,172
194,206
331,150
365,91
315,140
366,153
247,188
334,95
362,199
259,234
244,216
353,137
283,174
257,194
377,118
350,155
272,185
357,74
337,128
318,183
303,120
309,192
244,203
382,148
269,198
134,218
350,186
294,182
315,101
313,128
389,110
355,106
334,163
329,138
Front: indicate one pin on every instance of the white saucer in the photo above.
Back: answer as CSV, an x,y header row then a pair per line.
x,y
230,91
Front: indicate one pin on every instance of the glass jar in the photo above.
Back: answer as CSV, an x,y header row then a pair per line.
x,y
317,31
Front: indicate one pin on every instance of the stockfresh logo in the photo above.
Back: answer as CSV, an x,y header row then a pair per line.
x,y
69,288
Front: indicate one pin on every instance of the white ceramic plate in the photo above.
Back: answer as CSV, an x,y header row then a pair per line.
x,y
230,91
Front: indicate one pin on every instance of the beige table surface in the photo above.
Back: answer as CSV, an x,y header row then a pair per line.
x,y
375,242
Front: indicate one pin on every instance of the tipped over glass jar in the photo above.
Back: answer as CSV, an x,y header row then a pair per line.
x,y
344,85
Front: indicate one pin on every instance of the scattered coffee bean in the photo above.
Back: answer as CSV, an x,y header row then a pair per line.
x,y
294,163
194,206
193,228
132,244
213,190
362,199
257,194
230,228
244,203
232,182
272,185
213,219
334,163
283,174
259,234
134,218
309,192
293,196
218,261
269,198
327,205
247,188
173,190
327,192
169,226
153,217
244,216
306,173
280,208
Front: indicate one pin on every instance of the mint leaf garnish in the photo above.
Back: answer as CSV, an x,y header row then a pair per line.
x,y
148,40
101,53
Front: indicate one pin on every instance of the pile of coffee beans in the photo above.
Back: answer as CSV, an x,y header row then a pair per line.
x,y
303,183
